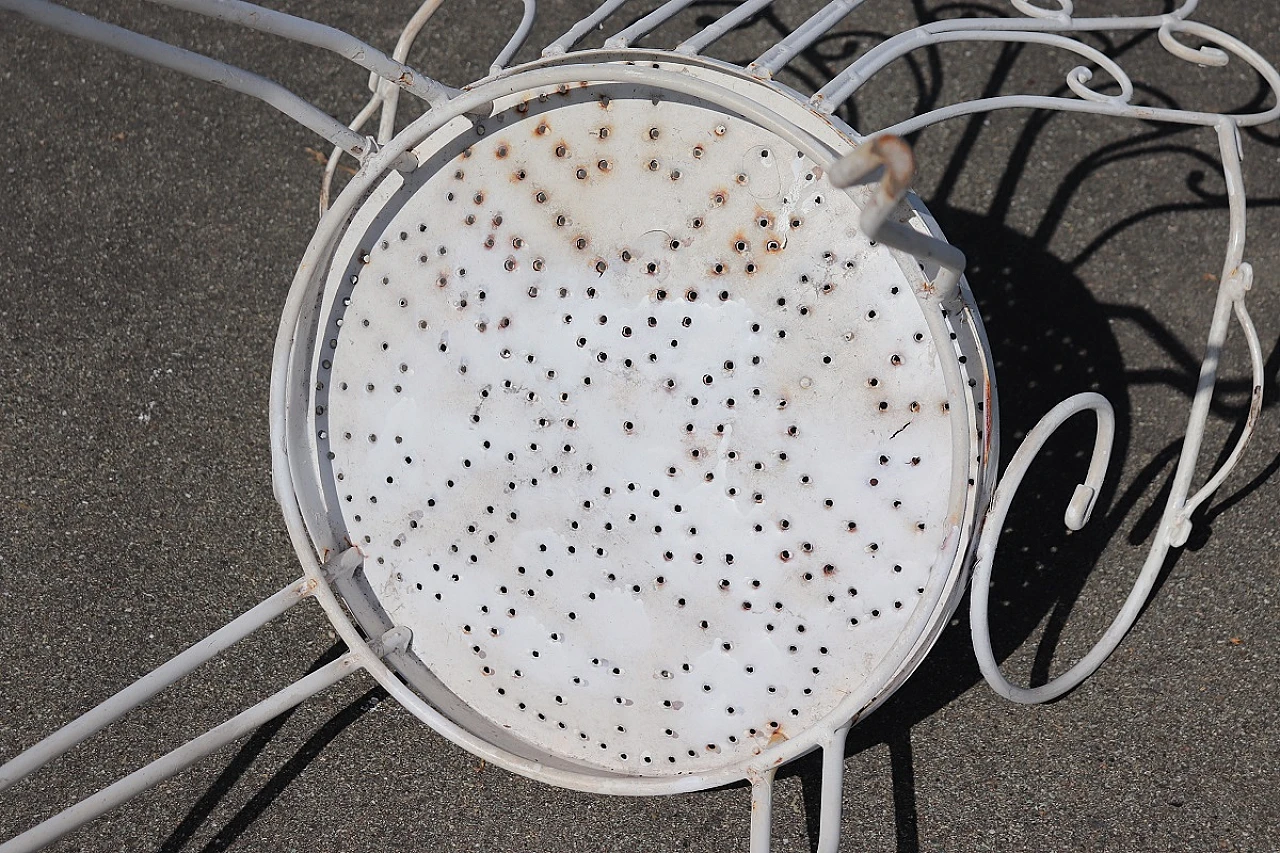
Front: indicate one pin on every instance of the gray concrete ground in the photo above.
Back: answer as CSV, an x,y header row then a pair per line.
x,y
149,226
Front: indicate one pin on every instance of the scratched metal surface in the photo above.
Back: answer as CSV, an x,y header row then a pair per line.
x,y
149,229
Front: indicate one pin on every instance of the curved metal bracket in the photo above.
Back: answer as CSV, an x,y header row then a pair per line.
x,y
1077,515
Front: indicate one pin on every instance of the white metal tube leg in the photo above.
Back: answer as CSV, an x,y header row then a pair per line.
x,y
187,754
761,811
832,791
142,690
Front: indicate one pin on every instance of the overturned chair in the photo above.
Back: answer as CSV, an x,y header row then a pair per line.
x,y
633,423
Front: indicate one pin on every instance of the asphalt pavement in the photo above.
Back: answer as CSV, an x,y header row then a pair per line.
x,y
150,226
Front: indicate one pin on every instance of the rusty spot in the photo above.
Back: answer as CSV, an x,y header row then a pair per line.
x,y
988,426
541,129
501,152
779,736
719,197
899,163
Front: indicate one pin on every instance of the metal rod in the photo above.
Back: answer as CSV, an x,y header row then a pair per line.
x,y
832,791
142,690
776,58
1175,522
647,24
893,155
518,38
579,30
317,35
1231,290
192,64
184,756
847,82
722,25
762,811
391,94
1077,514
1255,406
193,750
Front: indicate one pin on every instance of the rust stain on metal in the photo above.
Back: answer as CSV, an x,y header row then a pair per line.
x,y
899,162
987,426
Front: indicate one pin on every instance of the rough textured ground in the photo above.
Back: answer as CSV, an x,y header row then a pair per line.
x,y
149,226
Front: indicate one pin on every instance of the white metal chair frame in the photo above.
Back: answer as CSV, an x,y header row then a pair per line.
x,y
880,155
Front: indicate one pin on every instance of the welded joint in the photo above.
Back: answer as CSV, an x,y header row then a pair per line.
x,y
392,641
343,566
1239,282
